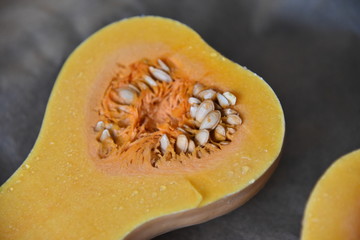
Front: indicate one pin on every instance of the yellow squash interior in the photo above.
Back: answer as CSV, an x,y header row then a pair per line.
x,y
63,191
333,210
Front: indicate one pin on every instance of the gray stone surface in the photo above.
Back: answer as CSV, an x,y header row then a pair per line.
x,y
308,51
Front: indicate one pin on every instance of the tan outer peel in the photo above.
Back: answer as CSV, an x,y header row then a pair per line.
x,y
333,209
62,191
225,205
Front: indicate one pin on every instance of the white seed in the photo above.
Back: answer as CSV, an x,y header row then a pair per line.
x,y
100,125
160,74
224,142
220,129
163,65
220,133
191,147
233,120
231,97
104,135
149,80
108,125
202,137
134,88
231,130
182,143
124,108
211,120
193,100
127,95
142,85
164,143
207,94
204,108
229,111
222,100
198,87
193,110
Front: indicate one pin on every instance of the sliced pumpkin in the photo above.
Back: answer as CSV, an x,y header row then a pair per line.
x,y
124,151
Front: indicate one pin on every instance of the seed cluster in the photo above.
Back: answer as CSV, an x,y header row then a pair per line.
x,y
211,119
214,121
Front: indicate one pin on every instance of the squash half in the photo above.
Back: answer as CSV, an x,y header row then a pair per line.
x,y
64,191
333,209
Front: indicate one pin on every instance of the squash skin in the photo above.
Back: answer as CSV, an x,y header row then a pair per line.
x,y
220,207
59,193
333,209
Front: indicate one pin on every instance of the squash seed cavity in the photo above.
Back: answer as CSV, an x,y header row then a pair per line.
x,y
152,114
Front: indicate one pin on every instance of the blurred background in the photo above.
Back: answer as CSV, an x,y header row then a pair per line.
x,y
308,52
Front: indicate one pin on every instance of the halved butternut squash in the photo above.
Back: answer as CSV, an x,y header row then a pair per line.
x,y
147,129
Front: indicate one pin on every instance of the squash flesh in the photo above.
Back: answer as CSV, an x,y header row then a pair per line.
x,y
333,209
64,194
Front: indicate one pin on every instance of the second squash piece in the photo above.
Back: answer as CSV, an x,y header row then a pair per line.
x,y
333,209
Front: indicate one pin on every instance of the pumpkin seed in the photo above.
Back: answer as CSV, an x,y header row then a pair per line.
x,y
191,147
202,137
193,100
150,81
211,120
233,120
204,108
193,110
182,143
229,111
104,135
163,66
207,94
127,95
164,143
133,87
220,133
198,87
222,100
100,125
231,97
160,75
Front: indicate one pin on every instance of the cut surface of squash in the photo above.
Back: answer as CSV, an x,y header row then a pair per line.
x,y
120,158
333,209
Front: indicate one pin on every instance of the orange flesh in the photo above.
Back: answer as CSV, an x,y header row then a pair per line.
x,y
333,209
64,190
